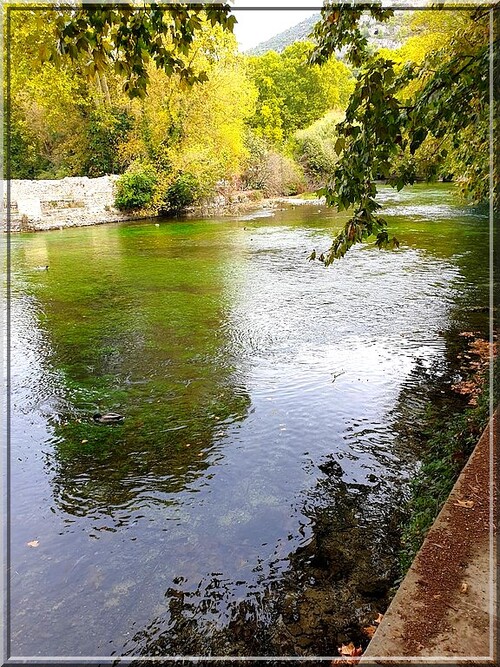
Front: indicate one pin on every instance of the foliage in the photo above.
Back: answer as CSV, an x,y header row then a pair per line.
x,y
468,160
269,171
393,110
107,129
199,130
47,104
126,38
463,154
68,122
315,148
253,176
405,120
65,122
182,192
340,28
135,188
25,155
293,94
282,176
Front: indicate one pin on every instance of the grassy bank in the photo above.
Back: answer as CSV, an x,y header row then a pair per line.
x,y
449,442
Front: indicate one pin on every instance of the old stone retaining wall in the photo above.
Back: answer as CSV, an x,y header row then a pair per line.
x,y
81,201
68,202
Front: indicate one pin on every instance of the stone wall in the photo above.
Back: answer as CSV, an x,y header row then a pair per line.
x,y
68,202
81,201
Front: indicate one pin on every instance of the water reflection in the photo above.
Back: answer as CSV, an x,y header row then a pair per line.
x,y
247,502
328,588
116,344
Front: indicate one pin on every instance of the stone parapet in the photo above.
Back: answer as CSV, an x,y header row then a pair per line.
x,y
445,610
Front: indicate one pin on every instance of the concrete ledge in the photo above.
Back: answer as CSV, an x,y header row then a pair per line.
x,y
445,609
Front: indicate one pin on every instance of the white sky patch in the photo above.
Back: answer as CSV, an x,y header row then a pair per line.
x,y
257,25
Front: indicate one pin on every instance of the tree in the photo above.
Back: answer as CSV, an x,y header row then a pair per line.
x,y
61,123
127,37
195,130
393,110
315,148
292,93
68,120
68,115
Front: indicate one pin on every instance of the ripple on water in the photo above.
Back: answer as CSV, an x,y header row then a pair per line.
x,y
263,396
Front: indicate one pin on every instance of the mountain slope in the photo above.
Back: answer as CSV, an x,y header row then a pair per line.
x,y
379,34
297,33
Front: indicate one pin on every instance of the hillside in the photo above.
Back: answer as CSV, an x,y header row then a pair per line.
x,y
379,34
297,33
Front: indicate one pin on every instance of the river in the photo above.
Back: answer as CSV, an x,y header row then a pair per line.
x,y
250,502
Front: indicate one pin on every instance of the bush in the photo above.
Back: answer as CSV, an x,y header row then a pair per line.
x,y
271,172
283,176
315,148
135,189
182,192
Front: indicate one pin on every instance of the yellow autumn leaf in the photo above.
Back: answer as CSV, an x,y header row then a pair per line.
x,y
350,649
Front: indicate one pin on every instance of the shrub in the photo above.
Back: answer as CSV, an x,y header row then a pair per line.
x,y
315,148
182,192
283,176
267,170
135,189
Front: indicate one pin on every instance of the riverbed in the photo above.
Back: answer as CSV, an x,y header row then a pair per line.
x,y
250,502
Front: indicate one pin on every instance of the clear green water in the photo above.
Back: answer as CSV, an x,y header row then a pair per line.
x,y
266,400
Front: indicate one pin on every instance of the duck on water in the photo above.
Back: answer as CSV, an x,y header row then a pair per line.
x,y
108,418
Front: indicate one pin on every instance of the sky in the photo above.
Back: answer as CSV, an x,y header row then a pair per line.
x,y
255,26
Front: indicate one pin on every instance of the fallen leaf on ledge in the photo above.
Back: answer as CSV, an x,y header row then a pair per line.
x,y
464,587
350,649
33,543
464,503
465,387
369,631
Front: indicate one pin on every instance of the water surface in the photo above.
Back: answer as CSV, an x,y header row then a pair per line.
x,y
248,505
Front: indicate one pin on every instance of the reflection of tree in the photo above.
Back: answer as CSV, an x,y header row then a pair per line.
x,y
160,448
429,384
118,465
338,582
137,330
333,586
344,574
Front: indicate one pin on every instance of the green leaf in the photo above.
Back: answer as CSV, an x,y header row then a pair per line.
x,y
340,145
